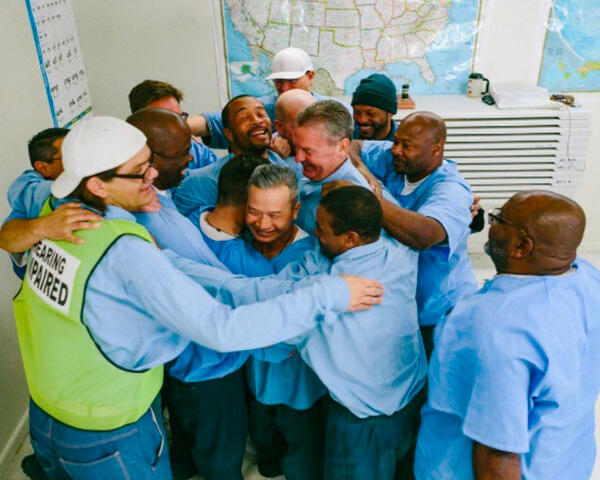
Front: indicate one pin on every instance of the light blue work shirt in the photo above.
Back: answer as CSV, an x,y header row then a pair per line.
x,y
445,271
215,125
203,156
142,312
515,367
172,230
27,193
278,375
200,188
310,193
372,362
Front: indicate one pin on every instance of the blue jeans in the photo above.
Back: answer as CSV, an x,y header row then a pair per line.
x,y
134,452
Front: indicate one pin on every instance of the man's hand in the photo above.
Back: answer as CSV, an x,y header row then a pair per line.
x,y
329,186
280,146
475,206
364,293
355,158
66,219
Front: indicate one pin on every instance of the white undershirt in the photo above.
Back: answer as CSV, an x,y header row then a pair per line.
x,y
212,232
410,187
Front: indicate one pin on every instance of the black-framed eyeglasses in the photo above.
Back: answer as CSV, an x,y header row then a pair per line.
x,y
137,176
496,213
184,115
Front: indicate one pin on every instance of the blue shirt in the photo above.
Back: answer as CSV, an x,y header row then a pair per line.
x,y
27,193
515,367
199,188
372,362
290,381
310,193
445,272
215,125
142,312
172,230
203,156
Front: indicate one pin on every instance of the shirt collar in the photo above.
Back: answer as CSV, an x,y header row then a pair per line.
x,y
358,252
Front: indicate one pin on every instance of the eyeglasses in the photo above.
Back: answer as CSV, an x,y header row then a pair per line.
x,y
137,176
495,215
184,115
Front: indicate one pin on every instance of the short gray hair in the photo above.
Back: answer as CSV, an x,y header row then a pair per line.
x,y
271,176
334,116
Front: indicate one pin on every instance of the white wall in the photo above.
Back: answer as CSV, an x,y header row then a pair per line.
x,y
124,42
25,111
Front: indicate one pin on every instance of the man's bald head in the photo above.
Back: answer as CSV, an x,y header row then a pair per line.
x,y
427,123
289,104
169,137
547,229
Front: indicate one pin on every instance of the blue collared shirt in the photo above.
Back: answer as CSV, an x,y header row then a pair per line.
x,y
215,125
203,156
515,367
445,271
199,188
372,362
142,312
288,381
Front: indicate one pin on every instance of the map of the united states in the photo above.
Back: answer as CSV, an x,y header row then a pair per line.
x,y
349,37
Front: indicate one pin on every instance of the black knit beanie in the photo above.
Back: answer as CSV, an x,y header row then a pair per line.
x,y
378,91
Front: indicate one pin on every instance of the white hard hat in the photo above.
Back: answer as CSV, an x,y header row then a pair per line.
x,y
289,64
93,146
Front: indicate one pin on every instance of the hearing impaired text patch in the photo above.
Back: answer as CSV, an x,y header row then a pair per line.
x,y
51,274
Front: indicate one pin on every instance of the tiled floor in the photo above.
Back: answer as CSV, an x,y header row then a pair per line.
x,y
483,270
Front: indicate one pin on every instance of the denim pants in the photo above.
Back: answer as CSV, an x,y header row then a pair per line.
x,y
137,451
369,448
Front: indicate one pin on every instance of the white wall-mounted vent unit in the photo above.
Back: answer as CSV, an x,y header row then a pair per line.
x,y
501,152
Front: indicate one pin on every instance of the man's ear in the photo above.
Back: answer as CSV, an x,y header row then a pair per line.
x,y
310,75
41,168
522,249
228,134
351,239
295,210
278,126
97,187
437,148
344,145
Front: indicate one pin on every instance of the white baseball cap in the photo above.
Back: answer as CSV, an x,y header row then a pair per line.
x,y
93,146
289,64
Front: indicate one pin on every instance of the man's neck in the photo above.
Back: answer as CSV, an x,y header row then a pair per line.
x,y
272,249
415,177
226,218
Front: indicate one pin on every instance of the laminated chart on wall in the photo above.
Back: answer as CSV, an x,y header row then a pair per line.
x,y
429,44
57,43
571,57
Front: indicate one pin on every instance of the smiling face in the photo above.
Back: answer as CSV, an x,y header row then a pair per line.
x,y
128,193
416,151
373,123
270,213
249,129
319,154
172,156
